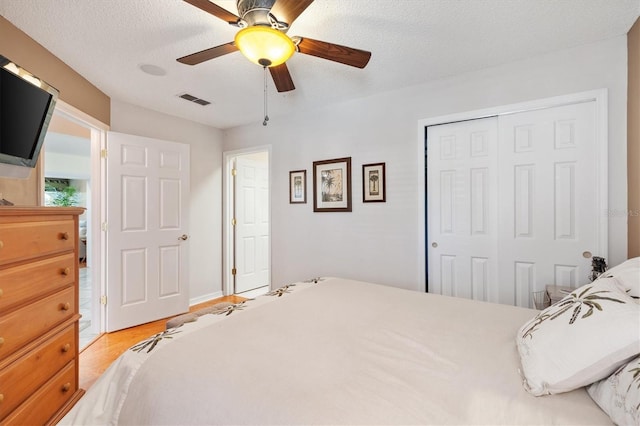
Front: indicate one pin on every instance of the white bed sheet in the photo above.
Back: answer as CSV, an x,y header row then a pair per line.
x,y
334,352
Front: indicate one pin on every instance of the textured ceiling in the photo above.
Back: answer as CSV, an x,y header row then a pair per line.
x,y
412,41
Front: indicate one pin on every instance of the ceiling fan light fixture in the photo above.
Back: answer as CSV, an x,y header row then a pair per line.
x,y
264,45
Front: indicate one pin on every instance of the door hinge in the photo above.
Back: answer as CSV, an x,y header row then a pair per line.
x,y
233,222
234,172
103,300
103,153
234,271
104,226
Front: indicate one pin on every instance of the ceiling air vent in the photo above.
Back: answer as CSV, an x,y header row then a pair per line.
x,y
192,98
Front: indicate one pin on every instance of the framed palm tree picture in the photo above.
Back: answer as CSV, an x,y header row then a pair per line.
x,y
332,185
373,183
298,187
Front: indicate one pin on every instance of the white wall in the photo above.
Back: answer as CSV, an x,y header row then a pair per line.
x,y
205,234
380,242
67,165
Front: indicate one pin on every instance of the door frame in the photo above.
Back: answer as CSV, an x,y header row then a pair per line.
x,y
228,158
599,96
97,247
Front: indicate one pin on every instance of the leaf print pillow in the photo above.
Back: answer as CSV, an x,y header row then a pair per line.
x,y
619,394
580,339
628,276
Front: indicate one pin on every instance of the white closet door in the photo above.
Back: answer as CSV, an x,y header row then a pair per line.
x,y
548,199
512,203
462,216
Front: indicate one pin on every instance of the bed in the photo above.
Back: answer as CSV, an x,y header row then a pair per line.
x,y
334,351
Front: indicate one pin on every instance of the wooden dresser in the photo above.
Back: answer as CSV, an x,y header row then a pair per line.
x,y
38,314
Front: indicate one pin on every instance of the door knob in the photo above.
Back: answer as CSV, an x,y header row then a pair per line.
x,y
184,237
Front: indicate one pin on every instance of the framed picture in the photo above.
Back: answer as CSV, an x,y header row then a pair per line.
x,y
298,187
373,183
332,185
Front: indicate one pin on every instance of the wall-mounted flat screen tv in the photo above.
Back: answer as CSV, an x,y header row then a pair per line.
x,y
26,107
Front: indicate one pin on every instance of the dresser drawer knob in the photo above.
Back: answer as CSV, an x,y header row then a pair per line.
x,y
66,348
65,306
1,397
66,387
66,271
64,236
1,341
1,244
1,292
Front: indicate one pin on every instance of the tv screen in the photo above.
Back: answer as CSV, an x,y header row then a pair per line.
x,y
26,106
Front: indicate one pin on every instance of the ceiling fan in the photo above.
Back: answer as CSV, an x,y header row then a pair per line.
x,y
263,39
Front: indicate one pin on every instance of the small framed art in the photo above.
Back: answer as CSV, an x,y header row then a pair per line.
x,y
373,183
298,187
332,185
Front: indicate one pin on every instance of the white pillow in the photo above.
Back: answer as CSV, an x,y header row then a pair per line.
x,y
619,394
580,339
628,275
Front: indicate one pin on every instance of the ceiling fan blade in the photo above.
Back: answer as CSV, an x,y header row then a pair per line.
x,y
334,52
215,10
205,55
288,10
282,78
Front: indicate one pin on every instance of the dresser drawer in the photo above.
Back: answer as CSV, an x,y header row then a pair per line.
x,y
26,240
23,377
43,404
25,324
30,281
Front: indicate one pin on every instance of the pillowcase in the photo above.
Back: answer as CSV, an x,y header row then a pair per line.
x,y
619,394
580,339
628,276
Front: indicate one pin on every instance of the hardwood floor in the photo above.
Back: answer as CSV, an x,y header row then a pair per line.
x,y
96,357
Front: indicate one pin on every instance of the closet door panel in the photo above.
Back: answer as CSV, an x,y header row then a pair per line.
x,y
547,163
462,220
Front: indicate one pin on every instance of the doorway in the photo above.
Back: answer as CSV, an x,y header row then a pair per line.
x,y
247,231
71,174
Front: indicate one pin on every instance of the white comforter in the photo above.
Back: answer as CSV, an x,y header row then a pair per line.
x,y
334,352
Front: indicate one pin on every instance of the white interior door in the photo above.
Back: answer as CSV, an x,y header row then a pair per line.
x,y
533,197
252,242
462,216
548,191
147,230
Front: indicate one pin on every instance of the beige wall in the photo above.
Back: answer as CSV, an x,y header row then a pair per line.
x,y
74,90
633,139
60,124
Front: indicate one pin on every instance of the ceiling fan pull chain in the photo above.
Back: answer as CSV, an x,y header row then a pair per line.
x,y
266,115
